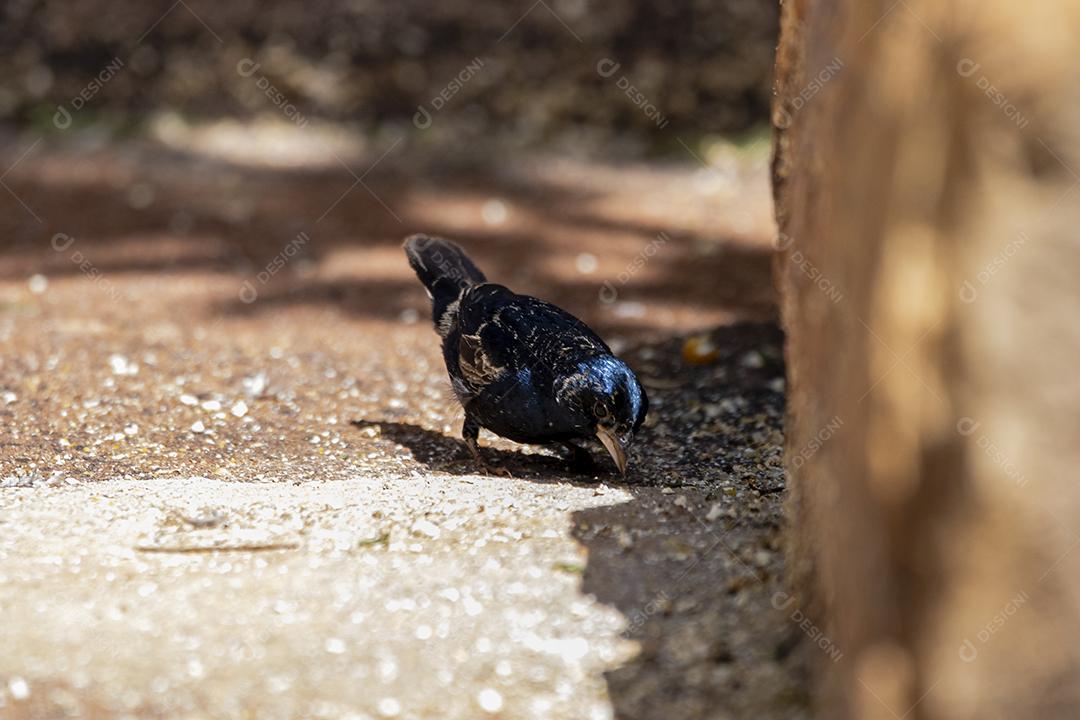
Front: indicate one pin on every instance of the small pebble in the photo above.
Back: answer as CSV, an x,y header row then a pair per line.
x,y
18,688
426,528
255,385
122,366
389,707
490,700
494,212
38,284
753,359
699,350
586,263
629,310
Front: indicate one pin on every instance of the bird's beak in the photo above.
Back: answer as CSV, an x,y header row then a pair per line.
x,y
614,446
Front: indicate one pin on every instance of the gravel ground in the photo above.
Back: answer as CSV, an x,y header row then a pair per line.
x,y
228,498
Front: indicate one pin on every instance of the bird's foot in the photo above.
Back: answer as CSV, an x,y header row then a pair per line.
x,y
497,470
485,467
492,468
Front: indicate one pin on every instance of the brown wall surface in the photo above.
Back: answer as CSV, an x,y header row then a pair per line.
x,y
927,177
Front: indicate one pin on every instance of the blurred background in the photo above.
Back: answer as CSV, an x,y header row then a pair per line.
x,y
704,66
229,449
225,131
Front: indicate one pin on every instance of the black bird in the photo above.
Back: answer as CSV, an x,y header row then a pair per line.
x,y
521,367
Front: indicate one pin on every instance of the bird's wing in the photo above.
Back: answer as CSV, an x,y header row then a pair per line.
x,y
477,364
503,333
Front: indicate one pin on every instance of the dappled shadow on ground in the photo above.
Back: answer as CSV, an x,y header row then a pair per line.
x,y
692,561
152,210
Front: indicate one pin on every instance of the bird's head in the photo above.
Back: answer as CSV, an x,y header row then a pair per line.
x,y
608,394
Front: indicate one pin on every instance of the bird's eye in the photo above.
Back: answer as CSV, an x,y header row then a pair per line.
x,y
600,410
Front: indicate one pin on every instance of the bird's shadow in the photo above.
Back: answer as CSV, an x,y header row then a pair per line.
x,y
442,453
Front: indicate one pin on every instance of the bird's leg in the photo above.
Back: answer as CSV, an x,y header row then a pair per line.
x,y
580,458
470,432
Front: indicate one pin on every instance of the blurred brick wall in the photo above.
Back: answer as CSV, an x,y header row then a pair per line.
x,y
926,174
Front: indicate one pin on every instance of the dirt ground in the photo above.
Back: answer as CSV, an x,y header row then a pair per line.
x,y
230,480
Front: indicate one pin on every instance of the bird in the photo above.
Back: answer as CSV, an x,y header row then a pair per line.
x,y
523,368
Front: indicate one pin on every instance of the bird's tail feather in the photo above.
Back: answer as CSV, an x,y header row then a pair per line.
x,y
445,270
